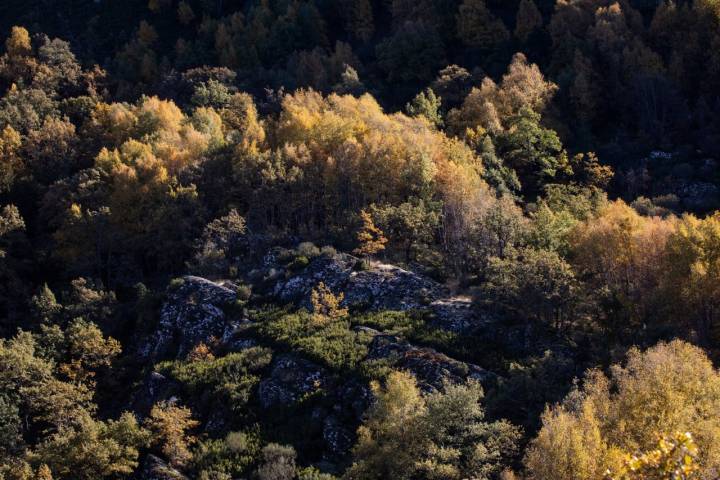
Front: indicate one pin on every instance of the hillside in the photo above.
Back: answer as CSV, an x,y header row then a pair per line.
x,y
359,240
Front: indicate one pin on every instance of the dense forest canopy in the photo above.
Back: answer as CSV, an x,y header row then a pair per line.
x,y
360,239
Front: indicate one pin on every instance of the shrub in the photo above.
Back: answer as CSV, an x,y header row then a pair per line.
x,y
231,456
308,249
244,292
299,263
331,343
233,376
362,265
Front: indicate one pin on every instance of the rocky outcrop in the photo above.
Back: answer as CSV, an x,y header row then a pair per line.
x,y
431,368
456,314
154,468
290,379
378,287
193,313
337,436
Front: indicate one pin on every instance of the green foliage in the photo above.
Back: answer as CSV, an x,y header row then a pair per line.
x,y
233,376
278,463
413,326
59,427
233,455
443,435
671,387
426,104
413,53
330,342
534,152
105,188
410,226
536,284
478,27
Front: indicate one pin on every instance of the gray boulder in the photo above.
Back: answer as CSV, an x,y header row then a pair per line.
x,y
193,313
155,468
431,368
290,379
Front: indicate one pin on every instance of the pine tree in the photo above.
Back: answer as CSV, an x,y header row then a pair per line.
x,y
169,424
360,19
426,104
478,27
528,19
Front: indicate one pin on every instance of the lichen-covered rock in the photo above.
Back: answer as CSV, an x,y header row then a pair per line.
x,y
193,313
155,468
456,314
338,437
290,379
431,368
381,287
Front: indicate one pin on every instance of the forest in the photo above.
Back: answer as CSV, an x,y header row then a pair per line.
x,y
360,239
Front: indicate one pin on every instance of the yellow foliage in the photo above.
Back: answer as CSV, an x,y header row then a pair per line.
x,y
169,424
43,473
623,250
112,124
200,352
672,387
491,106
693,272
243,123
326,305
10,160
362,156
161,125
371,239
18,43
674,458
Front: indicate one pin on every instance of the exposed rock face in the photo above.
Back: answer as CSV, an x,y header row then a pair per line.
x,y
193,313
455,314
197,309
155,468
430,367
337,436
291,378
155,387
382,287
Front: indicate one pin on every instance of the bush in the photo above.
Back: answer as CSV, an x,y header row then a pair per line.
x,y
299,263
230,457
285,255
244,292
362,265
233,376
331,343
308,249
